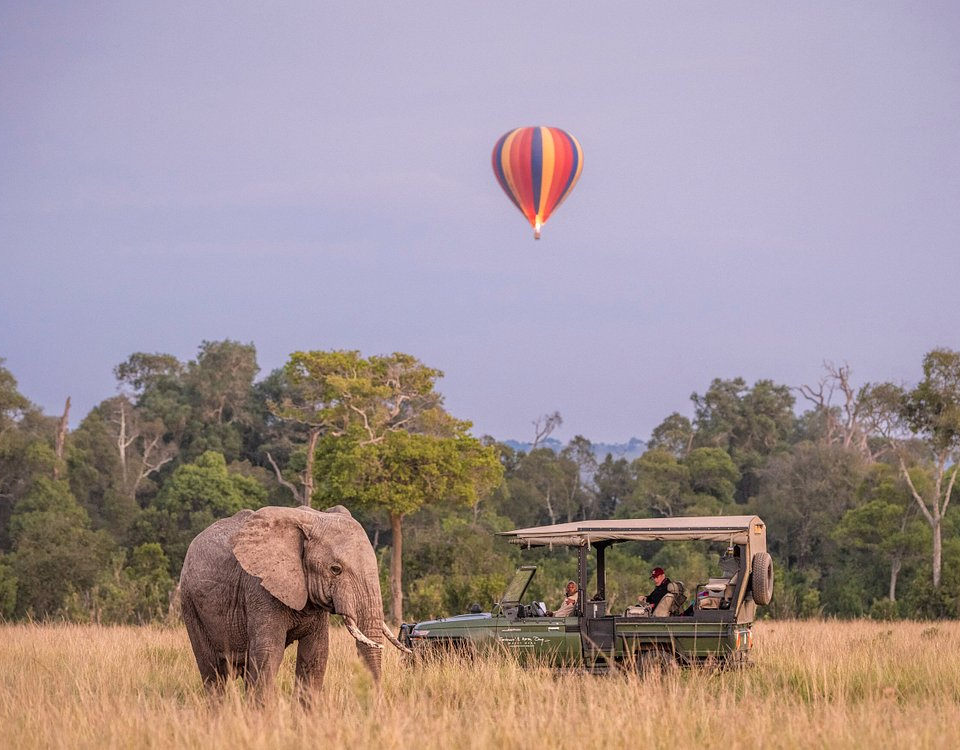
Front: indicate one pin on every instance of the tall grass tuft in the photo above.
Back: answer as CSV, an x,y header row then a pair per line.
x,y
812,684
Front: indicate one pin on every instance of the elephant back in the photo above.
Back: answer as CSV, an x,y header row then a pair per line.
x,y
210,553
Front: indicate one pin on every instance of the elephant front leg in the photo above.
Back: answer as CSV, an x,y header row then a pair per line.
x,y
264,656
312,653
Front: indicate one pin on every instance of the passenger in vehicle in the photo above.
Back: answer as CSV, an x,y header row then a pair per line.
x,y
569,601
652,599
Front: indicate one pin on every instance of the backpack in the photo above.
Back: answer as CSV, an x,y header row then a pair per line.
x,y
679,597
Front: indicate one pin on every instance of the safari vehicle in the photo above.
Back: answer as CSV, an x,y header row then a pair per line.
x,y
715,628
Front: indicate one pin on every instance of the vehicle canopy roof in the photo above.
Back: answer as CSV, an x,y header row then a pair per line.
x,y
730,529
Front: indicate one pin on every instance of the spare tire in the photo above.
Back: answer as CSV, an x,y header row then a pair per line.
x,y
761,578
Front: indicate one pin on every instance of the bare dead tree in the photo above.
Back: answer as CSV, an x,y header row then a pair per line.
x,y
140,445
543,426
62,429
847,423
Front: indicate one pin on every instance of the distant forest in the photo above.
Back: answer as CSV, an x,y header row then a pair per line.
x,y
854,482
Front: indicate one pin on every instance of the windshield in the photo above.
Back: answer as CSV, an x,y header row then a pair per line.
x,y
517,587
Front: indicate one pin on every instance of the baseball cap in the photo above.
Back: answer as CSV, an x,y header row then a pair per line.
x,y
656,572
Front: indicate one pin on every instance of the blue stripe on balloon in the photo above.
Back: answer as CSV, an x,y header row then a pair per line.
x,y
536,167
501,176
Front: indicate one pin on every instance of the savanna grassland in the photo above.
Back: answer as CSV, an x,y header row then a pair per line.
x,y
814,684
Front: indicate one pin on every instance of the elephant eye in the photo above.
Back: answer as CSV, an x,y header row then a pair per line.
x,y
336,569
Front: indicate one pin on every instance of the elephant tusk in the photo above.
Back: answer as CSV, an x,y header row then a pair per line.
x,y
355,632
394,641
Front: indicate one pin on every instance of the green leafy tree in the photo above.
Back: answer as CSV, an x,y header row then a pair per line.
x,y
108,462
662,486
218,387
55,552
580,500
750,424
803,494
401,473
885,525
194,497
539,485
712,473
615,482
134,590
328,392
674,434
8,589
929,416
26,450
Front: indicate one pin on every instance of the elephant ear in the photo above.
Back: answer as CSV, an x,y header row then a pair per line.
x,y
269,546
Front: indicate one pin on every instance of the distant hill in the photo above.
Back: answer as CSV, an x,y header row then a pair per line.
x,y
630,450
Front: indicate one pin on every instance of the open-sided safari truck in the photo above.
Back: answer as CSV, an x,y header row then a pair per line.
x,y
713,623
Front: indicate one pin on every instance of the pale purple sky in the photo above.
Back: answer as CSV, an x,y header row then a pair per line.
x,y
766,186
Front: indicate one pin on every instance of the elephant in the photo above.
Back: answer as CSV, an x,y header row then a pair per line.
x,y
254,583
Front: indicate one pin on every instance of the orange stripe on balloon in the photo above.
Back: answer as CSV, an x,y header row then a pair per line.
x,y
546,180
561,170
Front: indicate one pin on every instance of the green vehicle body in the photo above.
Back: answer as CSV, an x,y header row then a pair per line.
x,y
716,629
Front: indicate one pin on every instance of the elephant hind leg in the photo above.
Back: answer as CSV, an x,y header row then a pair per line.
x,y
211,665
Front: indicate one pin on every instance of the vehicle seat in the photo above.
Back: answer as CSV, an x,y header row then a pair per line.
x,y
664,605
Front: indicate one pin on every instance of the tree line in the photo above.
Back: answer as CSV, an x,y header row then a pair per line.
x,y
854,482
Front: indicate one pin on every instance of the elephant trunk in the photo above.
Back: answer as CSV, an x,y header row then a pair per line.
x,y
371,647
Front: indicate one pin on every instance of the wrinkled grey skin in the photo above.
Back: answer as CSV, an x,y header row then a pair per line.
x,y
253,584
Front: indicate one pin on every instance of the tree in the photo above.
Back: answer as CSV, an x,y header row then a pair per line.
x,y
543,426
330,391
662,487
750,424
195,496
674,434
401,473
55,553
221,379
378,435
540,482
803,494
615,482
578,454
884,524
712,473
928,415
846,424
24,449
135,588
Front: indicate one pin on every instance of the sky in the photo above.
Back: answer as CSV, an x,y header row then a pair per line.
x,y
766,187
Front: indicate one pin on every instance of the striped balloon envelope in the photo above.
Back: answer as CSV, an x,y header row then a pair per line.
x,y
537,168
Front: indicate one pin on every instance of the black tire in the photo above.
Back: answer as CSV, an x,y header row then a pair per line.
x,y
761,578
656,662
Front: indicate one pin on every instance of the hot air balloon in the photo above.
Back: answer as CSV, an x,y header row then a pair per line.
x,y
537,168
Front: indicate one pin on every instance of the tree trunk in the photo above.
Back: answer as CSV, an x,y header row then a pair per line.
x,y
61,438
553,516
396,568
937,551
894,573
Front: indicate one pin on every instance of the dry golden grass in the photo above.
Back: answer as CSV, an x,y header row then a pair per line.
x,y
814,684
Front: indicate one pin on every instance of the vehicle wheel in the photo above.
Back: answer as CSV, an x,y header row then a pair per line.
x,y
655,662
761,578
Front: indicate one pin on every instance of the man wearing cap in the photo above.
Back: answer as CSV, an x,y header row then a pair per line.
x,y
654,597
569,601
